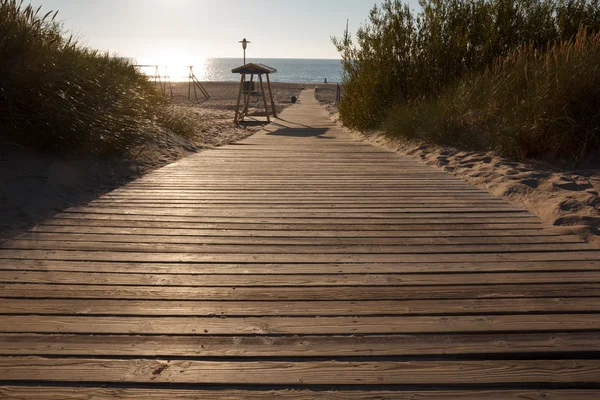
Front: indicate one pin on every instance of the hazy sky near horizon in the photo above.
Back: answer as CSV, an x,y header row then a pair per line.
x,y
188,30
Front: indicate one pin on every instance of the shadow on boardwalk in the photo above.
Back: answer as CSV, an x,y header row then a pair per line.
x,y
318,133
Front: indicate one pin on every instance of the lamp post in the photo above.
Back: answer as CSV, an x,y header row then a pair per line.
x,y
244,45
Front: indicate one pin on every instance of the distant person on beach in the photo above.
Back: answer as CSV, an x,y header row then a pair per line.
x,y
325,80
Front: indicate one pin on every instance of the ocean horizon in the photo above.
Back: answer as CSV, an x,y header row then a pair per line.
x,y
289,70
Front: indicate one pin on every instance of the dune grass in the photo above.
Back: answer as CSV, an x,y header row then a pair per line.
x,y
529,104
518,77
57,95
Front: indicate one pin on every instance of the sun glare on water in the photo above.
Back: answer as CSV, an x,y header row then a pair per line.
x,y
174,63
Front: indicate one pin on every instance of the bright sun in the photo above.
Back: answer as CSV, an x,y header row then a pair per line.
x,y
174,62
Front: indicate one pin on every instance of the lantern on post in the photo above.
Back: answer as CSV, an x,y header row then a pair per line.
x,y
244,45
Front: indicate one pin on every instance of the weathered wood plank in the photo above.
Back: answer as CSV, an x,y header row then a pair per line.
x,y
180,209
297,268
62,393
291,293
373,249
312,241
412,219
236,257
366,279
299,373
300,346
315,235
294,227
289,211
310,203
298,308
299,325
325,213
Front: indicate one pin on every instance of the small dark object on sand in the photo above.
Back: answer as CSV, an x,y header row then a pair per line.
x,y
294,98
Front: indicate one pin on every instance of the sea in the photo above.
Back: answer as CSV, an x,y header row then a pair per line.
x,y
288,70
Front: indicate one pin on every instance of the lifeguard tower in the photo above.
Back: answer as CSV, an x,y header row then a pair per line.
x,y
247,89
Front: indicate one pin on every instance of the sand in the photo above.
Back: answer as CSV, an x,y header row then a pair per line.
x,y
567,201
37,186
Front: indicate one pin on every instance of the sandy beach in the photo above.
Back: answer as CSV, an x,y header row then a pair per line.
x,y
37,186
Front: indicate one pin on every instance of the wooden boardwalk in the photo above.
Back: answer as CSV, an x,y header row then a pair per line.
x,y
298,263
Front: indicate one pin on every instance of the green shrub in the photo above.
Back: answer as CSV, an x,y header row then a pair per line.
x,y
529,104
401,56
56,95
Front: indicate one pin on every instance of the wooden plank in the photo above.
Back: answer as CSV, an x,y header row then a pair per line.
x,y
547,345
300,223
297,202
297,268
285,225
291,293
230,238
364,198
592,255
19,369
238,210
273,108
323,194
248,280
86,393
372,250
43,230
329,187
237,107
298,326
298,308
341,220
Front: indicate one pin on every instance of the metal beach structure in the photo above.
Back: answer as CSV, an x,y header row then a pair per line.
x,y
247,89
195,85
163,83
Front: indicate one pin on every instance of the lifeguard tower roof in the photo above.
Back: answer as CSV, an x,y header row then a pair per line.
x,y
254,69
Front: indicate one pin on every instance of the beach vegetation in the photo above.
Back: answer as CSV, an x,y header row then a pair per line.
x,y
518,77
57,95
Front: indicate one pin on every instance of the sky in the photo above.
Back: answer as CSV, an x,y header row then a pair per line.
x,y
185,31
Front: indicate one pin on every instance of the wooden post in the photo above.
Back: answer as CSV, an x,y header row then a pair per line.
x,y
271,95
262,89
201,88
196,94
248,96
237,108
171,89
190,84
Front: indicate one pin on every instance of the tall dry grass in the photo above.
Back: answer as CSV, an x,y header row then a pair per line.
x,y
58,95
434,64
529,104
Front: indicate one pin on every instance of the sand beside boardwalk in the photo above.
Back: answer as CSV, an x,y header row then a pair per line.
x,y
37,186
567,200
